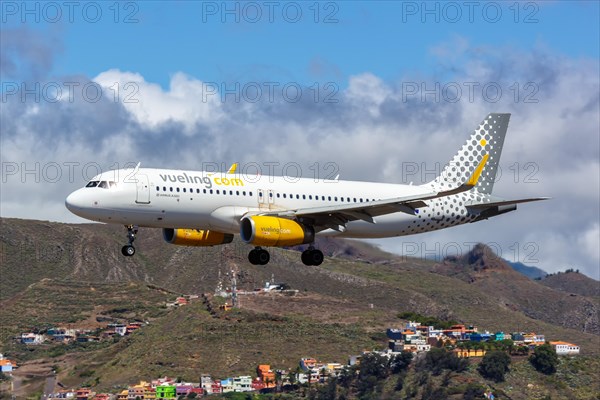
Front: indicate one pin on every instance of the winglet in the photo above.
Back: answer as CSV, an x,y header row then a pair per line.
x,y
477,173
232,169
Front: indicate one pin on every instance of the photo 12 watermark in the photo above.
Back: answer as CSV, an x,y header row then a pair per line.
x,y
69,91
454,12
55,12
252,12
469,91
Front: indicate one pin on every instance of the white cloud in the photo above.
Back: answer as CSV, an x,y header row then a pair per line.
x,y
188,100
373,132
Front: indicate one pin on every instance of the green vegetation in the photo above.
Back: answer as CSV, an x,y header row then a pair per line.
x,y
427,320
544,359
495,365
439,359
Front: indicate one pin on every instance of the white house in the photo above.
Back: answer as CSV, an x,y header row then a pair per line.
x,y
565,348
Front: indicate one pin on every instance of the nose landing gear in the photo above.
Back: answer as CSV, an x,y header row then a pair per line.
x,y
128,250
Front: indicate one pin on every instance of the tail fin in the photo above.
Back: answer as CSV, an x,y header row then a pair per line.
x,y
484,144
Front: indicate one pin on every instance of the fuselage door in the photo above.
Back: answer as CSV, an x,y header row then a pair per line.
x,y
143,189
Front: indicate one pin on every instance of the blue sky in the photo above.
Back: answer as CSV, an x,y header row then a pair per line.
x,y
388,39
544,56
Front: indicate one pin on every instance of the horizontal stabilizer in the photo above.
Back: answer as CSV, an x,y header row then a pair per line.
x,y
483,206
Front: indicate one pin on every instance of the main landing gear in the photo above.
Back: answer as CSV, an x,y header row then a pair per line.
x,y
128,250
258,256
310,256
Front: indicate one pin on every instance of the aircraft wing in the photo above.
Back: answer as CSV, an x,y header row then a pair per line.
x,y
336,216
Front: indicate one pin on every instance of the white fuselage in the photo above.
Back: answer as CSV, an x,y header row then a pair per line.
x,y
163,198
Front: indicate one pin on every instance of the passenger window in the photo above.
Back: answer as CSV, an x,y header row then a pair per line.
x,y
270,194
198,191
237,192
303,197
171,189
249,193
211,192
355,199
177,190
218,191
335,198
323,198
183,190
164,188
341,199
329,198
244,192
310,196
284,196
158,188
298,196
231,192
277,195
204,191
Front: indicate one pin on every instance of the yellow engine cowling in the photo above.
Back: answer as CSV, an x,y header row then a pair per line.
x,y
273,231
195,237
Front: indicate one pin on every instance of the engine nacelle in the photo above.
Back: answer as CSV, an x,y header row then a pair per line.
x,y
195,237
273,231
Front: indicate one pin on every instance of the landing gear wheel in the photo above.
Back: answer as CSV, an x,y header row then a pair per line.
x,y
128,250
263,257
312,256
259,256
253,257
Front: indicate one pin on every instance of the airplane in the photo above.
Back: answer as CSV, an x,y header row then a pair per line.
x,y
202,208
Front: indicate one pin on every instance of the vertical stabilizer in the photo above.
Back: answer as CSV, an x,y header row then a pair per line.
x,y
485,143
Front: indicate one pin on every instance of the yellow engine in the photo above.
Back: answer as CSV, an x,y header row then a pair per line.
x,y
195,237
272,231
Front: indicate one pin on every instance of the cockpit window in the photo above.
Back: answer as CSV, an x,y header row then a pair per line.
x,y
102,184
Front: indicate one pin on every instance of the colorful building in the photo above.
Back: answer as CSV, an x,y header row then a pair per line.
x,y
166,392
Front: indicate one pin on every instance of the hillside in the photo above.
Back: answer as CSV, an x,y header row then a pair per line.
x,y
481,268
528,271
71,274
573,282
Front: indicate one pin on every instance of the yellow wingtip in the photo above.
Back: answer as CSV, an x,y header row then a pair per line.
x,y
232,169
477,173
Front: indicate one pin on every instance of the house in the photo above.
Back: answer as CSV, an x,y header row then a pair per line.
x,y
258,385
32,338
242,384
166,392
123,395
6,365
102,396
227,385
565,348
266,375
83,394
307,363
137,391
181,301
465,353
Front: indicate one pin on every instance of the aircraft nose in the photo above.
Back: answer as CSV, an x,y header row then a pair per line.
x,y
74,202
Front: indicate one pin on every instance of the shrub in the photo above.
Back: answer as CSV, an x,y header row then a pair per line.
x,y
494,365
544,359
